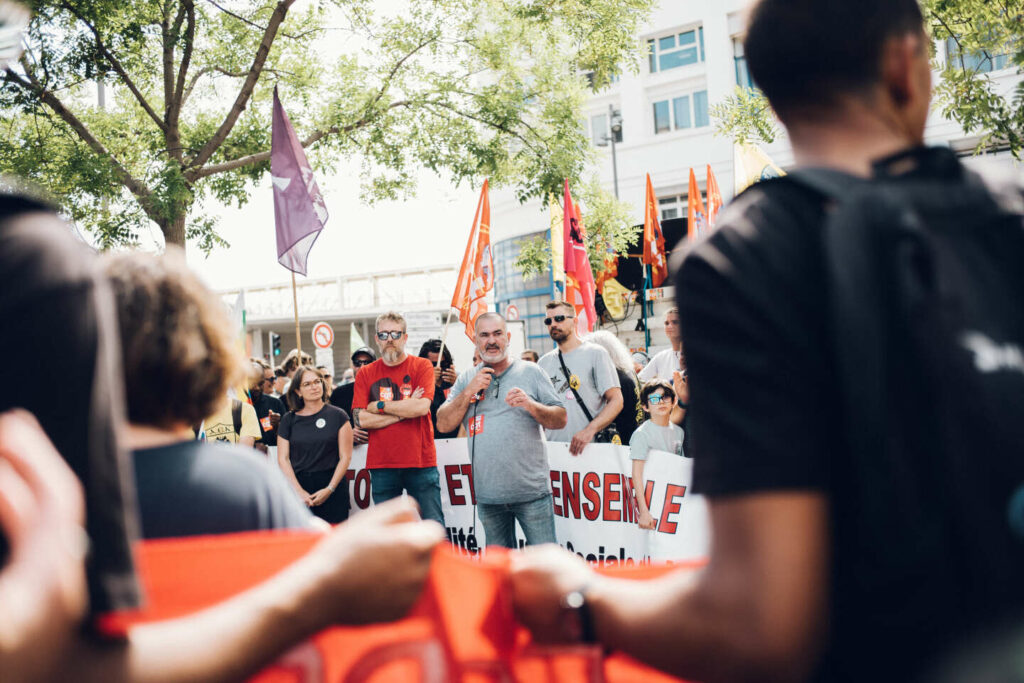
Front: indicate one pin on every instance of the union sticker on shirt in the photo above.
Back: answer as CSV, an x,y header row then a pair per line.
x,y
266,424
321,423
406,391
476,425
386,394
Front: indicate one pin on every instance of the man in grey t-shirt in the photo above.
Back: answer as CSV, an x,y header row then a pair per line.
x,y
503,404
590,372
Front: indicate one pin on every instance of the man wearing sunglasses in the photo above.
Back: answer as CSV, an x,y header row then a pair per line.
x,y
584,375
391,401
268,409
342,396
503,404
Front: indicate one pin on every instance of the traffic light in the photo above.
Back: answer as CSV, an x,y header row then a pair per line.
x,y
275,344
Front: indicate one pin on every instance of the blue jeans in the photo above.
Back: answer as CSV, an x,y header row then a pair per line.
x,y
536,518
422,483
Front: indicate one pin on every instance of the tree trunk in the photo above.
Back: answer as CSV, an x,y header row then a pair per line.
x,y
174,231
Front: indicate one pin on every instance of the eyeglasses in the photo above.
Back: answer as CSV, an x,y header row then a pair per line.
x,y
361,363
310,384
266,380
394,334
557,319
655,399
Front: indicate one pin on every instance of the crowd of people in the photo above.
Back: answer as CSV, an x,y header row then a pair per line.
x,y
865,484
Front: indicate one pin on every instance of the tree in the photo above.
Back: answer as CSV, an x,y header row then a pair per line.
x,y
979,36
467,88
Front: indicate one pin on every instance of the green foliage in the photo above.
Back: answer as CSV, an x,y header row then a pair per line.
x,y
745,117
984,34
608,223
466,88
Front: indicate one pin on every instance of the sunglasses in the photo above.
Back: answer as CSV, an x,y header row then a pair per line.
x,y
557,319
655,399
394,334
361,363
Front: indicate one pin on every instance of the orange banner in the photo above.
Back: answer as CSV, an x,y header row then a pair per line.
x,y
461,630
476,276
654,240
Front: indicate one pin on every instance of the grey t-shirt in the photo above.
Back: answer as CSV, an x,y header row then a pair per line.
x,y
510,464
592,365
650,436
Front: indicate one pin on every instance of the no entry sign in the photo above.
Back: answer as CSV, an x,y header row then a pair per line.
x,y
323,335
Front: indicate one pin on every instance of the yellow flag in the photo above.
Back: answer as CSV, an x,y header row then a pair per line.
x,y
557,244
752,165
614,296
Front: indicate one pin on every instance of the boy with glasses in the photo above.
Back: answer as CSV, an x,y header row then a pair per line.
x,y
657,433
391,401
584,376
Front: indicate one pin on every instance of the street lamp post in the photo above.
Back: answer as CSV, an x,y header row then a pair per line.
x,y
614,129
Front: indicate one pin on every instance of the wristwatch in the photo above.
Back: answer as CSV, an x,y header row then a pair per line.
x,y
576,603
380,406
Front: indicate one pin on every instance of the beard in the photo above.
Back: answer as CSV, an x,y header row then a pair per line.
x,y
557,334
495,356
391,355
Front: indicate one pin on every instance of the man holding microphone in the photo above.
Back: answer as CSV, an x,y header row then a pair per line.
x,y
503,404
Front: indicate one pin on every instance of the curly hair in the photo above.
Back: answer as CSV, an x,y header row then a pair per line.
x,y
176,342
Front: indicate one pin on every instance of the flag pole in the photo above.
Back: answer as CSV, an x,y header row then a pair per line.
x,y
444,337
643,305
295,307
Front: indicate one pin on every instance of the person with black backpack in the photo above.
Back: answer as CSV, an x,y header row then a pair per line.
x,y
854,336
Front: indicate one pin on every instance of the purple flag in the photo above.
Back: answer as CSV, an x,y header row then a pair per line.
x,y
299,210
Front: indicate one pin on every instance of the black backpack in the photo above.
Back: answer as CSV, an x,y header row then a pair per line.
x,y
925,286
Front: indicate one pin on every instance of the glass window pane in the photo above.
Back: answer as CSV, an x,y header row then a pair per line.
x,y
743,78
667,43
669,213
661,120
667,200
652,58
700,108
599,129
701,32
681,105
687,38
678,58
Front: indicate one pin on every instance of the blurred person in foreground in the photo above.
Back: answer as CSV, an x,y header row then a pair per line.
x,y
368,570
175,335
511,473
315,447
830,562
632,414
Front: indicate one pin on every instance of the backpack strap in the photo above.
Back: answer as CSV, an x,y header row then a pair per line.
x,y
236,415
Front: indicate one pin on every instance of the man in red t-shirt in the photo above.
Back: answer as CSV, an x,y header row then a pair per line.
x,y
392,403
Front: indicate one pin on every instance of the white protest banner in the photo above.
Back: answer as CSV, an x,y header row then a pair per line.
x,y
595,514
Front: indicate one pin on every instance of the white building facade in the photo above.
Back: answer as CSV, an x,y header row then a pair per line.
x,y
696,60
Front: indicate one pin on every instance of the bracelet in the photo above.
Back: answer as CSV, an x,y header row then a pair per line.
x,y
682,405
330,488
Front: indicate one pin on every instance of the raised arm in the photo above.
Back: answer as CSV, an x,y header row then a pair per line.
x,y
450,415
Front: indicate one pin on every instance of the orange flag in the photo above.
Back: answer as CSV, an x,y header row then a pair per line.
x,y
696,218
714,198
654,240
579,277
476,276
611,268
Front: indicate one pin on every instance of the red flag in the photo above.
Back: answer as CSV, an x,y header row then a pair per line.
x,y
579,277
696,218
654,240
476,276
714,198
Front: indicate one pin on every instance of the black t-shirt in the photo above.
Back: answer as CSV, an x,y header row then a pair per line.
x,y
59,317
341,397
313,439
765,406
263,405
631,414
195,488
439,398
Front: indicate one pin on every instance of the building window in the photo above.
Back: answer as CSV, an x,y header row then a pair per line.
x,y
670,207
676,50
978,62
743,78
686,111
